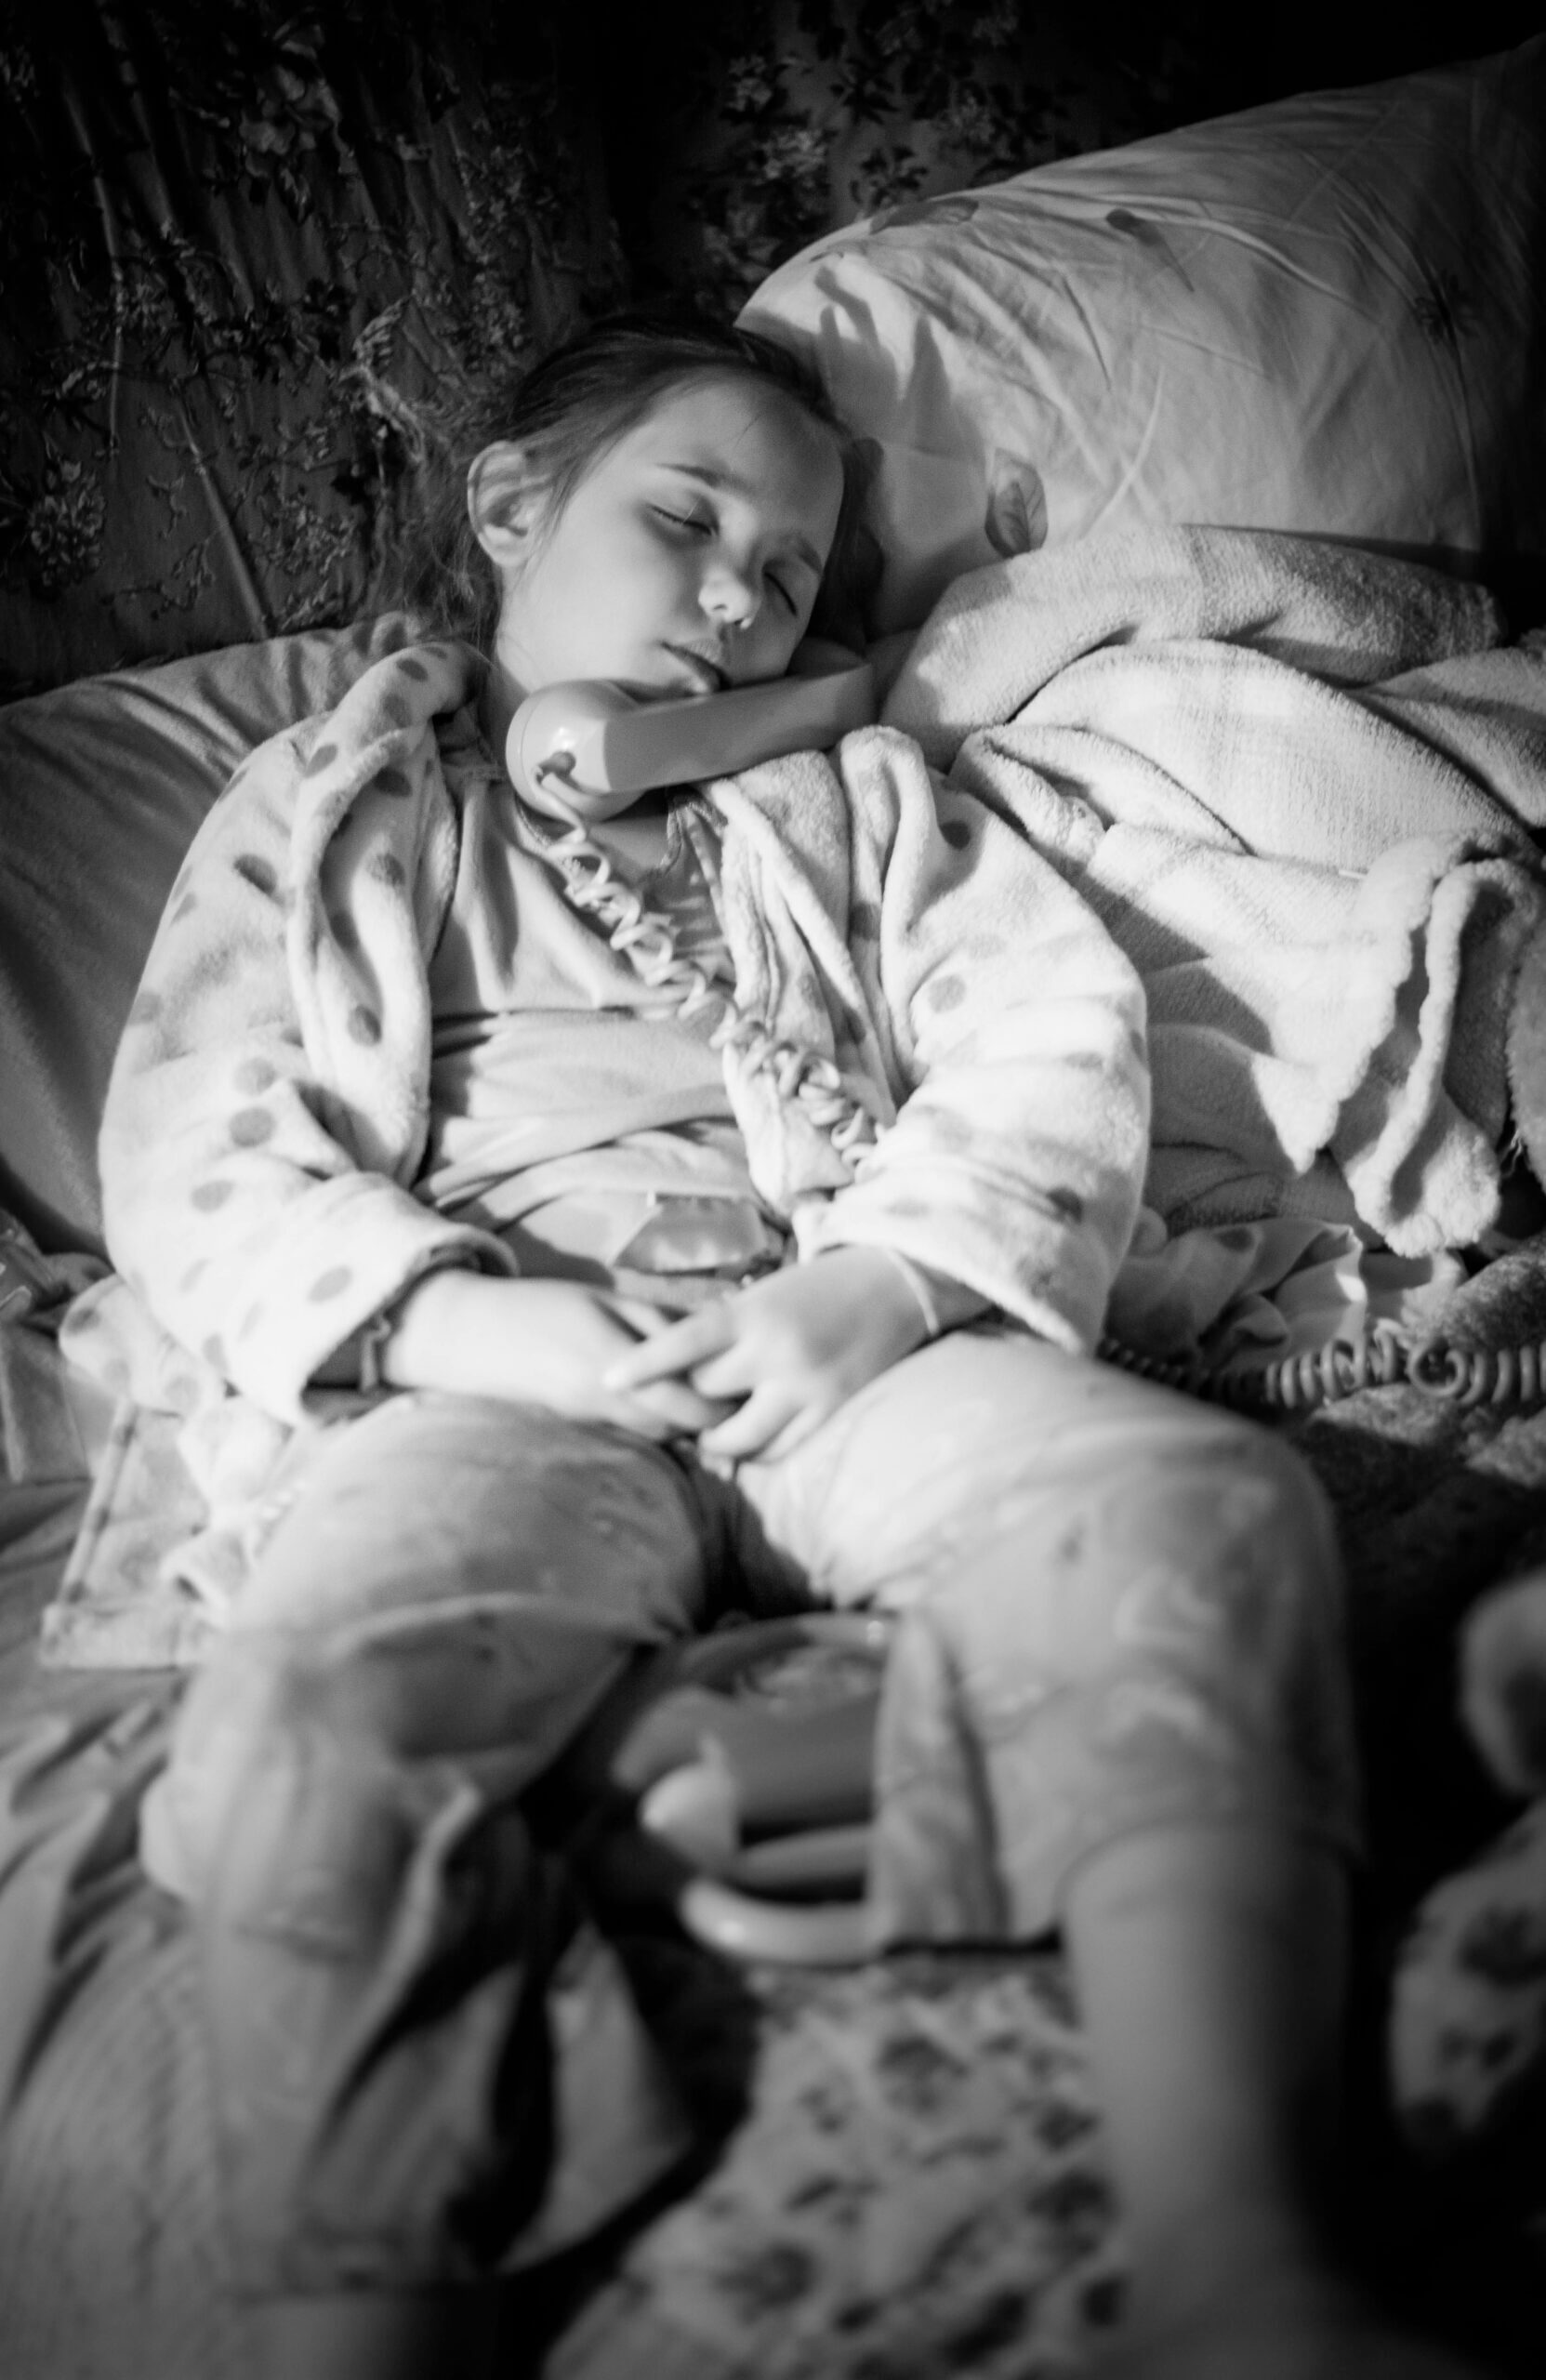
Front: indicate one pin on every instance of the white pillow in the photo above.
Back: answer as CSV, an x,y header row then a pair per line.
x,y
1326,315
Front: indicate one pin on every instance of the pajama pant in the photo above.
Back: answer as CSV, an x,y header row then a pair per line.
x,y
1117,1609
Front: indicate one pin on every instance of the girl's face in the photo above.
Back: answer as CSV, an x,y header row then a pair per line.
x,y
686,560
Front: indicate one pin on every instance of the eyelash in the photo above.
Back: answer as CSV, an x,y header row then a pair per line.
x,y
695,521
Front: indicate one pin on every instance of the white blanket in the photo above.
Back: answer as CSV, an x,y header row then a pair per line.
x,y
1296,782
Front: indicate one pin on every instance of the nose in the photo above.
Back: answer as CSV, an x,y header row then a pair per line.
x,y
729,596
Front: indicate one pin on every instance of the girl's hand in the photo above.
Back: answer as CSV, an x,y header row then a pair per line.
x,y
542,1342
788,1349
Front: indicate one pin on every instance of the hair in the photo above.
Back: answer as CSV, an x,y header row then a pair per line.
x,y
571,408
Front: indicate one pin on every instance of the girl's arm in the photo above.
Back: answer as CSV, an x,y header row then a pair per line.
x,y
537,1342
254,1212
237,1198
1016,1160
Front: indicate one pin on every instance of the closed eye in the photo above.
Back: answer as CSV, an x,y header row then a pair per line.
x,y
695,521
701,524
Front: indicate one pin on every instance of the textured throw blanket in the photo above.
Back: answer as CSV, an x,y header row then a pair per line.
x,y
1297,783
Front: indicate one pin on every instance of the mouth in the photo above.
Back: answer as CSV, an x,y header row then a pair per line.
x,y
704,676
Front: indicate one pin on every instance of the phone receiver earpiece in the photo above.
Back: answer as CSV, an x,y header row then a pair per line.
x,y
592,737
561,733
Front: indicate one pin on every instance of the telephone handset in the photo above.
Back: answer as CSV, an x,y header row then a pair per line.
x,y
588,746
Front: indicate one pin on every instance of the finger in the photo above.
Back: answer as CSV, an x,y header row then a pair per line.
x,y
642,1420
793,1434
674,1402
682,1408
674,1350
625,1413
638,1316
749,1432
735,1374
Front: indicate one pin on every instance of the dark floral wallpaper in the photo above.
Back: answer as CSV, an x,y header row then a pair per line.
x,y
758,126
241,246
250,251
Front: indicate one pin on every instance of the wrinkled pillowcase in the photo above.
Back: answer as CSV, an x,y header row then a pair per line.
x,y
103,785
1327,315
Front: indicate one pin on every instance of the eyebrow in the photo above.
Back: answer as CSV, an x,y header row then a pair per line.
x,y
709,476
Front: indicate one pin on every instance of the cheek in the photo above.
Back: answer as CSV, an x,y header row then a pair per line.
x,y
572,614
634,584
777,633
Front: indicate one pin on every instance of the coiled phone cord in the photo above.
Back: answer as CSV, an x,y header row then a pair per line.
x,y
1464,1376
646,940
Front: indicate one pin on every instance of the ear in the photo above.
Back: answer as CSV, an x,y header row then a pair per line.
x,y
503,503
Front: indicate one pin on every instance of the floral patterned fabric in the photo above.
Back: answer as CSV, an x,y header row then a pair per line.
x,y
803,2255
246,250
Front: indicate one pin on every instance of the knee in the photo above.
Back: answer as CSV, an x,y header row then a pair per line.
x,y
367,1728
245,1725
1205,1552
1265,1485
1254,1509
1238,1561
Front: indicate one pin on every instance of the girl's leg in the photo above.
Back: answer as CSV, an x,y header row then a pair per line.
x,y
453,1587
470,1570
1209,1964
1117,1703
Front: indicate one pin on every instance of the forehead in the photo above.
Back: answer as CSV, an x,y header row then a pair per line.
x,y
747,437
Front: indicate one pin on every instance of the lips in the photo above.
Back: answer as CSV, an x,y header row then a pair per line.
x,y
705,675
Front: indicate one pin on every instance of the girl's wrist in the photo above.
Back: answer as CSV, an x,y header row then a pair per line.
x,y
939,1301
417,1326
919,1287
386,1351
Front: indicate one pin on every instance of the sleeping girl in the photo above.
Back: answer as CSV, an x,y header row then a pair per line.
x,y
707,1202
